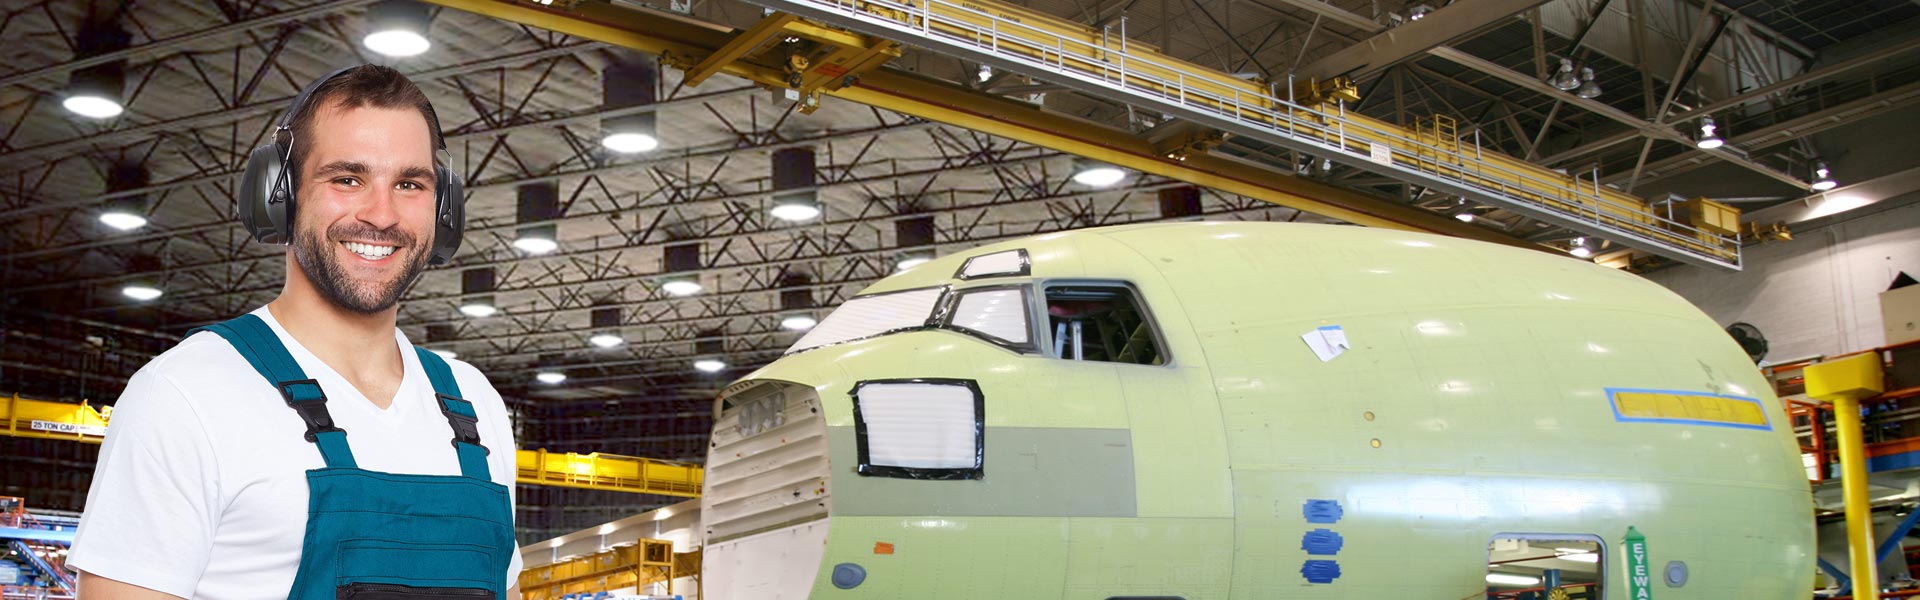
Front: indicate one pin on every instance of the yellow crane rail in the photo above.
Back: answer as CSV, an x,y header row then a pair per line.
x,y
1105,62
598,471
83,423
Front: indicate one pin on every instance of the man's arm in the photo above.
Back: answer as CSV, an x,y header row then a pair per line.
x,y
513,593
95,587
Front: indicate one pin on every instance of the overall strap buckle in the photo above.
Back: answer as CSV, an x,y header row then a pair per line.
x,y
465,423
307,399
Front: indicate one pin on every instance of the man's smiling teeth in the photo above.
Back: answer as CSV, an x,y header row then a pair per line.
x,y
369,251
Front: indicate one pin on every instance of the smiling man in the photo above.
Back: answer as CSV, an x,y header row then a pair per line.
x,y
303,450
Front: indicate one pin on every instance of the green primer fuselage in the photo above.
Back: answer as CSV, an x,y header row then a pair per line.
x,y
1472,402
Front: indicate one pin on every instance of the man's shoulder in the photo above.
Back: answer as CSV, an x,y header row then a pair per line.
x,y
201,352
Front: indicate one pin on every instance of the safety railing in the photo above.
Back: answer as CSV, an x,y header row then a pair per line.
x,y
1105,62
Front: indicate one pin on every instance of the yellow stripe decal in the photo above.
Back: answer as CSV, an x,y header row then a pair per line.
x,y
1699,408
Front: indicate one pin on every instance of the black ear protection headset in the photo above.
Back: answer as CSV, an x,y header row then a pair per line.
x,y
267,199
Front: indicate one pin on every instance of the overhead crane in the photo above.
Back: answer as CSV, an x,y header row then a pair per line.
x,y
594,471
1308,116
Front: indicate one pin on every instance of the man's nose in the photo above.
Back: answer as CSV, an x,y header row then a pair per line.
x,y
378,208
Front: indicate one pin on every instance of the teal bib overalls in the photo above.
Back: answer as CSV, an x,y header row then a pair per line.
x,y
389,536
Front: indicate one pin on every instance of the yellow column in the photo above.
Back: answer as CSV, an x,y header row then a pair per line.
x,y
1853,486
1845,382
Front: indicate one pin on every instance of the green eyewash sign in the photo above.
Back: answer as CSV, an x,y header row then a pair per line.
x,y
1639,575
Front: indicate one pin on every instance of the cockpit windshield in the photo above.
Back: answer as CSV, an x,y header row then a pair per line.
x,y
868,316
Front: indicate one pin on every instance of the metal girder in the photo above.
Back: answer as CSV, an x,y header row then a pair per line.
x,y
910,94
1646,128
184,39
1799,127
1336,14
1809,77
1375,54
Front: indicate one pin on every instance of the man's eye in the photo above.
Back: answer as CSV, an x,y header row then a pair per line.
x,y
409,185
350,181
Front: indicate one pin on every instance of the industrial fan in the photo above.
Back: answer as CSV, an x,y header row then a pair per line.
x,y
1750,340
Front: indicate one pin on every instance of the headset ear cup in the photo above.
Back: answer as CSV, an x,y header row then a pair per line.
x,y
450,216
265,202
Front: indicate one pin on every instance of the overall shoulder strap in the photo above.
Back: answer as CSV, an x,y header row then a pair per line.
x,y
257,343
460,414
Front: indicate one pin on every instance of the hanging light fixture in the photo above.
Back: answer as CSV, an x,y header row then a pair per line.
x,y
1419,12
985,73
145,286
397,28
126,212
794,198
98,91
476,290
1564,79
606,325
797,302
915,237
548,370
1097,174
1822,177
1580,248
680,261
539,205
711,353
1588,89
628,82
1709,138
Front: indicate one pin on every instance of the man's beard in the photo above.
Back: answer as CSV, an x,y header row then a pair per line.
x,y
322,266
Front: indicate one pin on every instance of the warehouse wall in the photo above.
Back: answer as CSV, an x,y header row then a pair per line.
x,y
1818,294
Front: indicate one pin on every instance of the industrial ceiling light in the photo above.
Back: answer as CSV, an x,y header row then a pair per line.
x,y
446,353
1507,579
1564,79
1822,177
1097,174
1580,248
795,208
606,340
1465,217
798,322
985,73
478,307
96,92
145,285
709,365
397,28
550,377
630,142
682,286
1708,138
476,290
793,177
536,240
606,325
125,213
1419,12
141,291
1588,89
628,83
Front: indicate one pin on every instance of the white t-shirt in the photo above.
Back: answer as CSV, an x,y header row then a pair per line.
x,y
201,488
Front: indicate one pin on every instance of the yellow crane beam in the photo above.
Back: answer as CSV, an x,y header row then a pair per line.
x,y
83,423
688,42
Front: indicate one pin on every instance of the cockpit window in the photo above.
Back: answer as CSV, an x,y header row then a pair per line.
x,y
872,315
1101,323
996,314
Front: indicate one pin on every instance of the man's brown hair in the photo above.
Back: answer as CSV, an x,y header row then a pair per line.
x,y
363,86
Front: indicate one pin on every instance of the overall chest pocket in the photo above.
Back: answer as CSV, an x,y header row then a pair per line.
x,y
389,570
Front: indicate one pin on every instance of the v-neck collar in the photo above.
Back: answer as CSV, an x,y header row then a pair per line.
x,y
341,392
